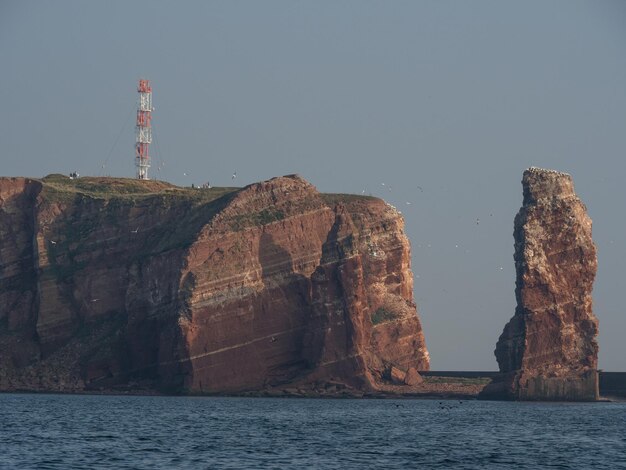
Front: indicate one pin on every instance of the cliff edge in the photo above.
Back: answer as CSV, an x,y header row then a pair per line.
x,y
114,284
548,351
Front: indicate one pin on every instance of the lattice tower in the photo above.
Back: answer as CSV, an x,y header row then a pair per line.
x,y
143,129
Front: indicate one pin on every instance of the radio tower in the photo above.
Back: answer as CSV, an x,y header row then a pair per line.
x,y
143,129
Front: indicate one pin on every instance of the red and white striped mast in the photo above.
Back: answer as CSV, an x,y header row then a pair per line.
x,y
143,134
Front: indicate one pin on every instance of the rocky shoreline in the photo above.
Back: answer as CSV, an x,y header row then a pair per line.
x,y
443,388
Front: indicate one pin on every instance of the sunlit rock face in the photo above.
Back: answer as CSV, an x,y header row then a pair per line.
x,y
111,283
548,351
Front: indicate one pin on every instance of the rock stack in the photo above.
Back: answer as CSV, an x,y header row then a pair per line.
x,y
548,350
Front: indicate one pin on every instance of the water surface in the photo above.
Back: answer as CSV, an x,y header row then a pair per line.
x,y
96,432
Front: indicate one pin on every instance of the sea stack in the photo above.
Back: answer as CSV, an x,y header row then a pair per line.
x,y
548,350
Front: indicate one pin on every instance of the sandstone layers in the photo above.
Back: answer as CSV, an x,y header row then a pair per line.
x,y
109,283
548,350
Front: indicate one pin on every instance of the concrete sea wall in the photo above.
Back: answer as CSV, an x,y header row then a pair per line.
x,y
611,384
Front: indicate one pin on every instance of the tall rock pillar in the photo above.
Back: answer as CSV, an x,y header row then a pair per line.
x,y
548,350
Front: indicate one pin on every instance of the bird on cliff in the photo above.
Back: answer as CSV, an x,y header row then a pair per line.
x,y
273,339
95,300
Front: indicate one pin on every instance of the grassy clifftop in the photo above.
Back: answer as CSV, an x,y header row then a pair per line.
x,y
165,216
98,187
64,188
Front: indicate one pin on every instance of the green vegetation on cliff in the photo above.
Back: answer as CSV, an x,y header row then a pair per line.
x,y
60,188
152,216
171,216
64,188
382,315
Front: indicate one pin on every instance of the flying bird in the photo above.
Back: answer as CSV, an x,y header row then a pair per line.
x,y
234,175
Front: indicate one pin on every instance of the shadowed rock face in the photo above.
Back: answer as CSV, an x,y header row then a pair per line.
x,y
124,284
548,350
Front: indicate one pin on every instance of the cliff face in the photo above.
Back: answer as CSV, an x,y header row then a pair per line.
x,y
111,283
548,350
18,287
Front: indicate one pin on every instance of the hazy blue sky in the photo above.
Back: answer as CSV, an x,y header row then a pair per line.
x,y
455,97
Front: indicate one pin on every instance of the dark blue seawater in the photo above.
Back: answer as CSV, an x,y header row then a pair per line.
x,y
92,432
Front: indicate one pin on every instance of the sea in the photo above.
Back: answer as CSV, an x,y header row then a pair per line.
x,y
41,431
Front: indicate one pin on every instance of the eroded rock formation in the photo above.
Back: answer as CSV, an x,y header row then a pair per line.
x,y
108,283
548,350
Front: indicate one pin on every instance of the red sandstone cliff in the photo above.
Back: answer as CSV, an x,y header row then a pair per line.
x,y
119,283
548,350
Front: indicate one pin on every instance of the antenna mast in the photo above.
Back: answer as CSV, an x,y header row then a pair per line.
x,y
143,130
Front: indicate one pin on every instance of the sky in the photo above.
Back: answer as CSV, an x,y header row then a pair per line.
x,y
445,102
